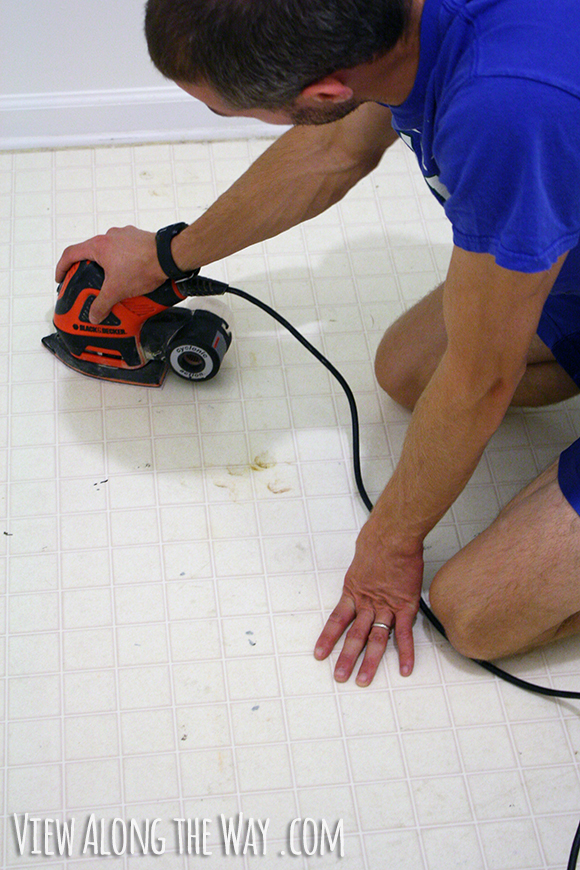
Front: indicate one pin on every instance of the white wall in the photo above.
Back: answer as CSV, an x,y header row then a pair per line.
x,y
77,72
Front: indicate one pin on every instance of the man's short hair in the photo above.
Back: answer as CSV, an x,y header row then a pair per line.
x,y
263,53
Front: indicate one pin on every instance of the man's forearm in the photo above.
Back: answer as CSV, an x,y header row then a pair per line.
x,y
304,172
491,315
445,440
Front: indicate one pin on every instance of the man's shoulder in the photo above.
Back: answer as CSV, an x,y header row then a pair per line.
x,y
517,39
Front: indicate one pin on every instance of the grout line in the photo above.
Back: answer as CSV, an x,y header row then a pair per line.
x,y
520,770
464,776
408,779
345,457
271,618
58,530
6,685
110,585
176,754
223,658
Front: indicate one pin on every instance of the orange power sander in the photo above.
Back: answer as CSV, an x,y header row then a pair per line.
x,y
141,337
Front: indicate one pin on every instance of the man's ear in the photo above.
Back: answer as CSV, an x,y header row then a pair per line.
x,y
328,90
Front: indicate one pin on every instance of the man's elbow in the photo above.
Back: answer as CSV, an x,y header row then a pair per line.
x,y
493,379
488,390
360,139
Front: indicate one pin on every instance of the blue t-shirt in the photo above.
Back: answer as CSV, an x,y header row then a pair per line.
x,y
494,119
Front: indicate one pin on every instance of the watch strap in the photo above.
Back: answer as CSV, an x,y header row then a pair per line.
x,y
163,239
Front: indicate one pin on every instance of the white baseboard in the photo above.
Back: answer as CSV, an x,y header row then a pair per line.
x,y
133,115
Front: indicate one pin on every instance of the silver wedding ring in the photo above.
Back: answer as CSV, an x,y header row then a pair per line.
x,y
381,625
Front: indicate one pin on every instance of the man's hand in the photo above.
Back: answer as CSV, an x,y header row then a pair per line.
x,y
382,585
129,258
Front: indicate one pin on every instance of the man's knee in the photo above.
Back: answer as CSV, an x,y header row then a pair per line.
x,y
411,349
395,369
467,628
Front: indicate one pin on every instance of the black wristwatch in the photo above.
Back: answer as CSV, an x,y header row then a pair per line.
x,y
163,238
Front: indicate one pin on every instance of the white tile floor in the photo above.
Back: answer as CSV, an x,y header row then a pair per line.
x,y
169,557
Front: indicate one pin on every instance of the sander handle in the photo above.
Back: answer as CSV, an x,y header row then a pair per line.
x,y
171,292
199,285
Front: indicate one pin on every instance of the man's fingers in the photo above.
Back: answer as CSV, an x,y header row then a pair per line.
x,y
354,642
71,255
128,257
63,266
101,305
367,630
340,618
405,645
376,646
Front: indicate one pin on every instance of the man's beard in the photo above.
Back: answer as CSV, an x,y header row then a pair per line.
x,y
326,115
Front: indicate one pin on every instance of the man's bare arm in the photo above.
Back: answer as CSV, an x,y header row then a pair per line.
x,y
491,315
303,172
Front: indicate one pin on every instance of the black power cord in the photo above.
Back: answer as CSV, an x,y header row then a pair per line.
x,y
573,859
425,609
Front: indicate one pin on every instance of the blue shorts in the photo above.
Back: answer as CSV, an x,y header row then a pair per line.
x,y
569,474
559,328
